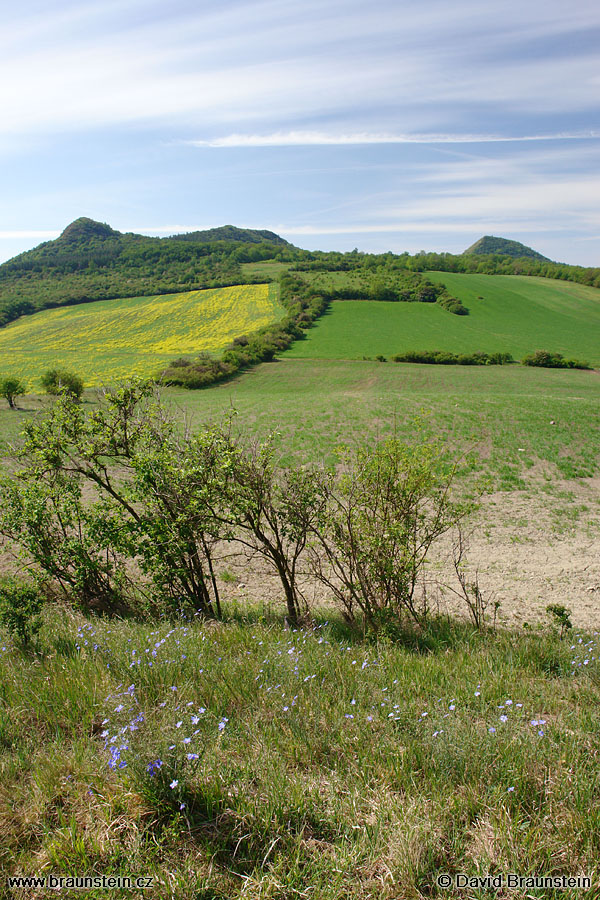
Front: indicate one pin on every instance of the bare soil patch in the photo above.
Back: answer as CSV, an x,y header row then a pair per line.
x,y
532,549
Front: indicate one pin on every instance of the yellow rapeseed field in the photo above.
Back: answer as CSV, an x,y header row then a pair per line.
x,y
113,339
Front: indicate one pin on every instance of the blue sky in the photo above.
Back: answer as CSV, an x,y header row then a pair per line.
x,y
389,125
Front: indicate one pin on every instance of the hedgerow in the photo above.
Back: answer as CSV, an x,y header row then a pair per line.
x,y
446,358
303,305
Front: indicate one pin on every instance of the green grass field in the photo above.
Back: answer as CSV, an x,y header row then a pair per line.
x,y
504,413
517,314
112,339
267,269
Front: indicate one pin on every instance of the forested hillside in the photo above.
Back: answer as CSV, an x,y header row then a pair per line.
x,y
92,261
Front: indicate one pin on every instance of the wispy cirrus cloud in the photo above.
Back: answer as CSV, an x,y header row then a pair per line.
x,y
27,234
325,139
431,226
273,63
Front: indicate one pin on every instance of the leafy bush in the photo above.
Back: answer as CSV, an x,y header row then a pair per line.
x,y
548,360
273,512
561,617
20,607
386,507
452,304
158,514
73,543
11,387
500,359
56,381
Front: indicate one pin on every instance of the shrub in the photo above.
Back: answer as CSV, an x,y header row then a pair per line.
x,y
386,507
161,512
181,363
561,617
452,304
11,387
20,607
548,360
56,381
71,542
273,512
500,359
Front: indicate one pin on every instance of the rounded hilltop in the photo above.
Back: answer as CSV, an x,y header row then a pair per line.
x,y
498,246
84,229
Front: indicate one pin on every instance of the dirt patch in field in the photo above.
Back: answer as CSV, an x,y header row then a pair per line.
x,y
532,549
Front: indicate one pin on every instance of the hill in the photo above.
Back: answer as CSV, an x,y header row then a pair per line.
x,y
490,245
234,234
84,229
92,261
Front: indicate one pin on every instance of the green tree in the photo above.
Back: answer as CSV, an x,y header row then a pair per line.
x,y
56,381
386,507
11,387
153,506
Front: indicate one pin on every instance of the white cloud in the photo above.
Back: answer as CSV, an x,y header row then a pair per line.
x,y
276,63
17,235
322,138
431,226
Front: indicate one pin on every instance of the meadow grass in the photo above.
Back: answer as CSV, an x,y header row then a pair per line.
x,y
516,420
266,268
512,418
112,339
507,313
245,760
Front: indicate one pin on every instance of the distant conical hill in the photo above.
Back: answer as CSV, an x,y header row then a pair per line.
x,y
86,229
490,245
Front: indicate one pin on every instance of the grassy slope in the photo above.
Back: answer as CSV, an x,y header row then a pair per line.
x,y
327,766
112,339
518,314
316,405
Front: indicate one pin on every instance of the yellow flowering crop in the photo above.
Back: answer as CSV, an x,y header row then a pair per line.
x,y
113,339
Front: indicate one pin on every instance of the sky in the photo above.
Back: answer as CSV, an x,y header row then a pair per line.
x,y
389,125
